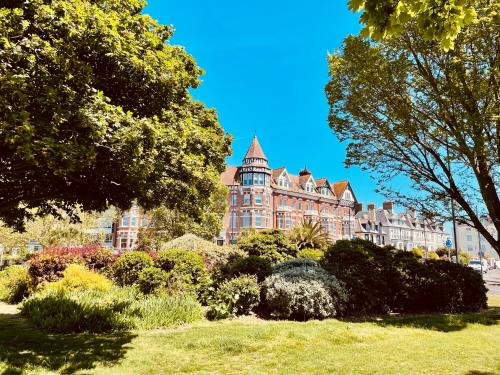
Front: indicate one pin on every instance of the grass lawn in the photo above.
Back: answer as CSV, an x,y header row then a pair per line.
x,y
431,344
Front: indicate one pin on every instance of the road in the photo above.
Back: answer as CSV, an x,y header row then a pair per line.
x,y
492,278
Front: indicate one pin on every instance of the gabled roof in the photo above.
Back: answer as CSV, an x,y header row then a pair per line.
x,y
339,188
255,151
277,172
228,176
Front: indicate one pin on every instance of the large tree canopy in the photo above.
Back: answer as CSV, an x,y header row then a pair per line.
x,y
95,111
408,108
438,20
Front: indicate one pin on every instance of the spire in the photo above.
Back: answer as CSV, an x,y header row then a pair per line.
x,y
304,172
255,151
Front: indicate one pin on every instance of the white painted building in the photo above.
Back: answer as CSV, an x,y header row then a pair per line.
x,y
468,239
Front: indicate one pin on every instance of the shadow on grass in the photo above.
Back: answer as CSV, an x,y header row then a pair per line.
x,y
23,347
440,322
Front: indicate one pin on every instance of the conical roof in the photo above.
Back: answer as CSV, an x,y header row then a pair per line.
x,y
255,151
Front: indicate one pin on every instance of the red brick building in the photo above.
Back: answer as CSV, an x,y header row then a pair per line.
x,y
265,198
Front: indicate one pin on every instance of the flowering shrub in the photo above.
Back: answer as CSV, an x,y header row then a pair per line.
x,y
77,277
303,293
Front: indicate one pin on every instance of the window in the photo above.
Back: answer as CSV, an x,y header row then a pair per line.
x,y
123,243
125,221
133,221
258,219
246,220
348,195
247,179
246,199
283,182
144,221
469,248
300,205
288,222
258,198
280,222
325,191
293,204
469,237
309,187
268,200
234,200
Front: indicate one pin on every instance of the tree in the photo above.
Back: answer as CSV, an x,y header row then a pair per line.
x,y
309,234
410,109
95,111
166,224
437,20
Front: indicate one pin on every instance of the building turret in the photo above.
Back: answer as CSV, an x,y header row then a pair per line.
x,y
255,169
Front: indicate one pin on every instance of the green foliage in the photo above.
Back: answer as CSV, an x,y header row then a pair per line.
x,y
303,293
213,255
380,280
76,277
102,311
251,265
101,260
399,103
309,234
182,265
239,296
417,252
437,20
14,284
272,245
49,267
151,279
307,253
296,263
95,110
128,266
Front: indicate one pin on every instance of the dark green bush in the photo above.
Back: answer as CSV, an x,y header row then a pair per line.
x,y
303,293
251,265
237,296
151,279
14,284
182,266
272,245
295,263
128,266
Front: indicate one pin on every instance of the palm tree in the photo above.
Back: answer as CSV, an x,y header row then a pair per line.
x,y
309,234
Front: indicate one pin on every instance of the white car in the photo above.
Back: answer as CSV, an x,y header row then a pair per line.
x,y
475,264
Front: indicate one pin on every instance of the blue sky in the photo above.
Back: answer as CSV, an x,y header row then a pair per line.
x,y
266,68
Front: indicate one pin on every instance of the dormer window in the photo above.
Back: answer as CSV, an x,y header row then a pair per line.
x,y
348,195
283,181
325,191
310,187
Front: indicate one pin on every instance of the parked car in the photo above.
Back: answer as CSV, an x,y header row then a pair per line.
x,y
475,264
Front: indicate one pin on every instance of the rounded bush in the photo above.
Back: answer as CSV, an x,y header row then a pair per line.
x,y
152,279
272,245
14,284
303,293
295,263
182,265
240,295
100,260
77,277
251,265
315,254
128,266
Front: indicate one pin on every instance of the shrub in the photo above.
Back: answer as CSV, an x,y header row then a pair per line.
x,y
152,279
213,255
240,295
100,260
295,263
417,252
272,245
182,265
128,266
14,284
303,293
77,277
364,268
117,309
251,265
45,267
433,256
316,254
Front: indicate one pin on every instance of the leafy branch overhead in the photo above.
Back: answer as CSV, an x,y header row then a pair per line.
x,y
437,20
95,110
409,109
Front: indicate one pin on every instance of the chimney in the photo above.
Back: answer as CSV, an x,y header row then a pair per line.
x,y
358,207
371,212
389,206
371,206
